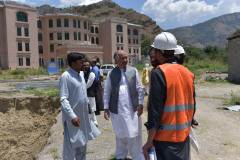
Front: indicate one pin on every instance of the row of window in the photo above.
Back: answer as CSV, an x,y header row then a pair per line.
x,y
129,49
92,30
134,50
120,40
60,61
118,48
21,16
76,36
20,46
19,32
40,47
120,29
20,61
135,32
76,23
135,41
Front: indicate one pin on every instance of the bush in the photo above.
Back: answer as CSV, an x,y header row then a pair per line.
x,y
234,98
209,59
50,91
140,66
17,72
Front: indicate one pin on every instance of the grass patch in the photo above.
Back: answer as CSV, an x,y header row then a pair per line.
x,y
220,108
112,156
17,72
52,150
199,67
21,73
50,91
13,84
228,143
91,151
234,98
215,80
56,156
140,66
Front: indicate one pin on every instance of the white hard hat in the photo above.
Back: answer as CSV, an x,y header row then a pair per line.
x,y
165,41
179,50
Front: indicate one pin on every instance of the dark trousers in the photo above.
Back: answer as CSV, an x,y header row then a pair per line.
x,y
172,150
99,98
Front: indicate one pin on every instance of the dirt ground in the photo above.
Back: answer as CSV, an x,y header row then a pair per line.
x,y
217,134
24,125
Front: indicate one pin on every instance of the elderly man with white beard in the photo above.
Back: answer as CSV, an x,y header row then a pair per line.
x,y
123,102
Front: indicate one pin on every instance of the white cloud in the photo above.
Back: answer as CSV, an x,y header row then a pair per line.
x,y
172,13
67,3
27,2
19,1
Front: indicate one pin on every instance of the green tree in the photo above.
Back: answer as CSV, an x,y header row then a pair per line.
x,y
210,49
146,45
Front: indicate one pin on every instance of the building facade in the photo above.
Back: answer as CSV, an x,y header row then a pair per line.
x,y
18,37
234,59
31,40
117,34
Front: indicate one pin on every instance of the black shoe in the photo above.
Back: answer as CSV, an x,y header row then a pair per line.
x,y
97,113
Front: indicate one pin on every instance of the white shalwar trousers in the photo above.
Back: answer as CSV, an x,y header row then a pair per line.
x,y
70,153
93,118
131,145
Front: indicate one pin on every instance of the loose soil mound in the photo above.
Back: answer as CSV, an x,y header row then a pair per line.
x,y
24,125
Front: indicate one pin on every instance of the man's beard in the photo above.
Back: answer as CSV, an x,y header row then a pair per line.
x,y
155,64
86,69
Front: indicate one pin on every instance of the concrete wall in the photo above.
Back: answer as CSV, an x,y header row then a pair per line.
x,y
3,51
234,60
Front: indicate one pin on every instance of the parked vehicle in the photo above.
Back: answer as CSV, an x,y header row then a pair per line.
x,y
106,68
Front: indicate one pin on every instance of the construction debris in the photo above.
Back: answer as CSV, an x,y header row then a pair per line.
x,y
235,108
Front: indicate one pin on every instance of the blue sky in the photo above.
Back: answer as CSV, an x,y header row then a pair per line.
x,y
167,13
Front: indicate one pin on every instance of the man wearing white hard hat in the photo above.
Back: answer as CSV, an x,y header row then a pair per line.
x,y
171,103
179,54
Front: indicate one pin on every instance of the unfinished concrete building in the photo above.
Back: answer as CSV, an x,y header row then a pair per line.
x,y
234,59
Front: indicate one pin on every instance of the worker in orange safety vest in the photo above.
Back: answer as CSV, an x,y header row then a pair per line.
x,y
171,105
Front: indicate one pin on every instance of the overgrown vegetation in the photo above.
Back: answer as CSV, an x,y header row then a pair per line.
x,y
21,73
212,79
50,91
210,58
237,32
146,45
234,98
140,66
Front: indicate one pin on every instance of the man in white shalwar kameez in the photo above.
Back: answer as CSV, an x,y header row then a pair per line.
x,y
89,77
73,97
123,99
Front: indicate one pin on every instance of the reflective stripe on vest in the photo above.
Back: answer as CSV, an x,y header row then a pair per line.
x,y
179,106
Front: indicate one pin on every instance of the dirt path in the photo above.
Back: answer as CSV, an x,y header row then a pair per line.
x,y
218,133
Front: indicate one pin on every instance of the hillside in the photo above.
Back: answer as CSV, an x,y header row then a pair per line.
x,y
212,32
107,8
